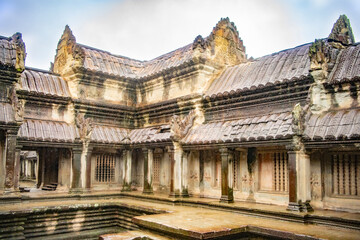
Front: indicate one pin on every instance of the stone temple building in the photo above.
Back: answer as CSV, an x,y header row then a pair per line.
x,y
203,120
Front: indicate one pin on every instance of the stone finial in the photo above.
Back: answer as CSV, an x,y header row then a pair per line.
x,y
20,51
180,127
342,32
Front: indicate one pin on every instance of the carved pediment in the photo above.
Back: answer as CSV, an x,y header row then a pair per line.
x,y
179,127
342,32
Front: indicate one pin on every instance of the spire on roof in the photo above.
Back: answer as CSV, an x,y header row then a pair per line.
x,y
342,32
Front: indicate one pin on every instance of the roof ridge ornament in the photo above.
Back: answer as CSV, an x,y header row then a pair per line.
x,y
20,51
342,32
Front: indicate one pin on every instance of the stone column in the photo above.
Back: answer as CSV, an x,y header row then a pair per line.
x,y
178,188
10,160
226,188
88,153
171,152
76,182
127,159
17,167
148,171
299,180
184,175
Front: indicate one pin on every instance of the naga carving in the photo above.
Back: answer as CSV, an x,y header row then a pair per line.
x,y
85,126
298,119
17,105
180,127
320,55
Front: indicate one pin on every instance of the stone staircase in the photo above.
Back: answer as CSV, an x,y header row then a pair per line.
x,y
73,222
50,187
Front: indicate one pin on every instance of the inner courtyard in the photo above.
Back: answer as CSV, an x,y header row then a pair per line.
x,y
199,143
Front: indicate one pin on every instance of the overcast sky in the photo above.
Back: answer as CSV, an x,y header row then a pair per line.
x,y
145,29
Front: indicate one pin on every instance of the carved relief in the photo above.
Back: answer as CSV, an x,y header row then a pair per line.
x,y
247,182
315,186
9,181
180,127
85,125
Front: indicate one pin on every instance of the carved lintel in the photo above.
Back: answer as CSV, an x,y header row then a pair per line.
x,y
180,127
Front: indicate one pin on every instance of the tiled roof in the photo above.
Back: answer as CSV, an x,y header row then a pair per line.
x,y
150,135
105,134
287,65
343,124
8,52
105,62
347,66
274,126
167,61
6,113
39,130
44,83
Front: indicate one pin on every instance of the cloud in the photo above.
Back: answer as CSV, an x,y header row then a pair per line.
x,y
146,29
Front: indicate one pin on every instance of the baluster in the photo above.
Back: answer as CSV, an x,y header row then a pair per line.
x,y
352,167
346,175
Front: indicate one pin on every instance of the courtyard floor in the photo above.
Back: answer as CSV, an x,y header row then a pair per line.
x,y
198,217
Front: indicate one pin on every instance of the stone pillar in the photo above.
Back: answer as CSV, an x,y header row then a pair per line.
x,y
88,152
17,167
64,170
127,159
184,175
148,171
76,183
178,188
299,181
172,173
226,187
10,160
